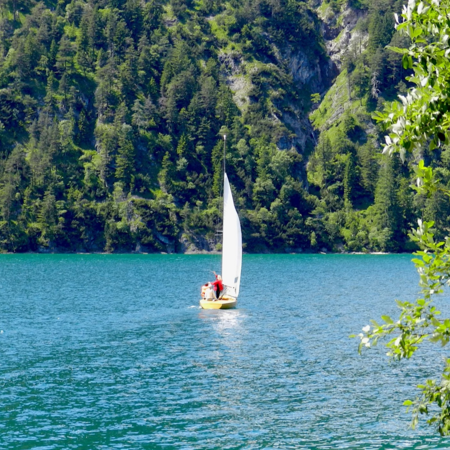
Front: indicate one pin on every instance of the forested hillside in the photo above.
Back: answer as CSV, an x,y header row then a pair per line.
x,y
111,115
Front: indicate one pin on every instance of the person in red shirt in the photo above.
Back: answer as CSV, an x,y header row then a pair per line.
x,y
218,285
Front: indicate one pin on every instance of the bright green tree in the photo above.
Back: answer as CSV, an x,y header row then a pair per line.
x,y
421,121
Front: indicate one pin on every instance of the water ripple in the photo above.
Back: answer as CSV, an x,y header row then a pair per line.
x,y
108,352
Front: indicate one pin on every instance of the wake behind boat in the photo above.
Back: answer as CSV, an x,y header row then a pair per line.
x,y
231,255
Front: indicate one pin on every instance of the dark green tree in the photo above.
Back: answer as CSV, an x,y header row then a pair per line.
x,y
125,160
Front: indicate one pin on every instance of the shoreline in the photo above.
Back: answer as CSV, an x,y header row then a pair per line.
x,y
200,252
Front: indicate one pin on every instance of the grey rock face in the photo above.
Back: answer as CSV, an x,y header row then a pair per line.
x,y
340,33
193,244
316,73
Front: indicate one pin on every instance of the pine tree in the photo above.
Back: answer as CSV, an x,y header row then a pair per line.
x,y
65,56
368,167
153,14
48,213
106,146
144,113
129,75
85,49
350,179
133,16
386,206
177,62
167,173
125,159
217,168
182,147
84,129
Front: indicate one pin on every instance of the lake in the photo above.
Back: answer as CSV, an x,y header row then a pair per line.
x,y
112,352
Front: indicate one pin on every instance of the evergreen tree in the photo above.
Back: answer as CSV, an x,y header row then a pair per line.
x,y
386,207
122,95
368,167
85,47
128,75
349,180
65,56
125,159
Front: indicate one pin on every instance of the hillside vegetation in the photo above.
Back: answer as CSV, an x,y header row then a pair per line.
x,y
111,116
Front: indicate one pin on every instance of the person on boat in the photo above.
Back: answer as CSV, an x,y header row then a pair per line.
x,y
218,285
209,292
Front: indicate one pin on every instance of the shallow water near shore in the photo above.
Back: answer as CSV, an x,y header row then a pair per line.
x,y
112,352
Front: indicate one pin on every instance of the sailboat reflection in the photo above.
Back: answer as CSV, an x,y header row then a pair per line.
x,y
226,323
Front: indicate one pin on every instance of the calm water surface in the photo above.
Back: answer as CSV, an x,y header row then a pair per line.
x,y
112,352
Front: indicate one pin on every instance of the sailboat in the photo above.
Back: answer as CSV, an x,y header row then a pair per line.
x,y
231,252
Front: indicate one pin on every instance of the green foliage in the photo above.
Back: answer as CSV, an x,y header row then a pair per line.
x,y
110,115
418,124
108,105
365,205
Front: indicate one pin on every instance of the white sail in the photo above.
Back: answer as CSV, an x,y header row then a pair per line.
x,y
232,243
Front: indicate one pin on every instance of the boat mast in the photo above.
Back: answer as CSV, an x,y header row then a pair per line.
x,y
223,185
224,153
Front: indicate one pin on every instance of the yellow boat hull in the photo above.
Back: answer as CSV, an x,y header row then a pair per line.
x,y
227,303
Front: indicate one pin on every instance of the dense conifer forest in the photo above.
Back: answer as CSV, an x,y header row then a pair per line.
x,y
112,111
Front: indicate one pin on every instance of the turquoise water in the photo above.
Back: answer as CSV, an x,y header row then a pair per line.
x,y
112,352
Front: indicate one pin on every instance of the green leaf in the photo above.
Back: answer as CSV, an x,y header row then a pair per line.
x,y
405,61
397,49
417,32
418,262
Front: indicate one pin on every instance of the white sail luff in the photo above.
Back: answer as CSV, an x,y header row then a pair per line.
x,y
232,243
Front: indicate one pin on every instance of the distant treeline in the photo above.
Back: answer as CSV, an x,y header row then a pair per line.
x,y
111,115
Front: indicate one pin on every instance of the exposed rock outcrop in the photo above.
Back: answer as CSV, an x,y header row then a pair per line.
x,y
310,73
341,33
315,73
193,244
